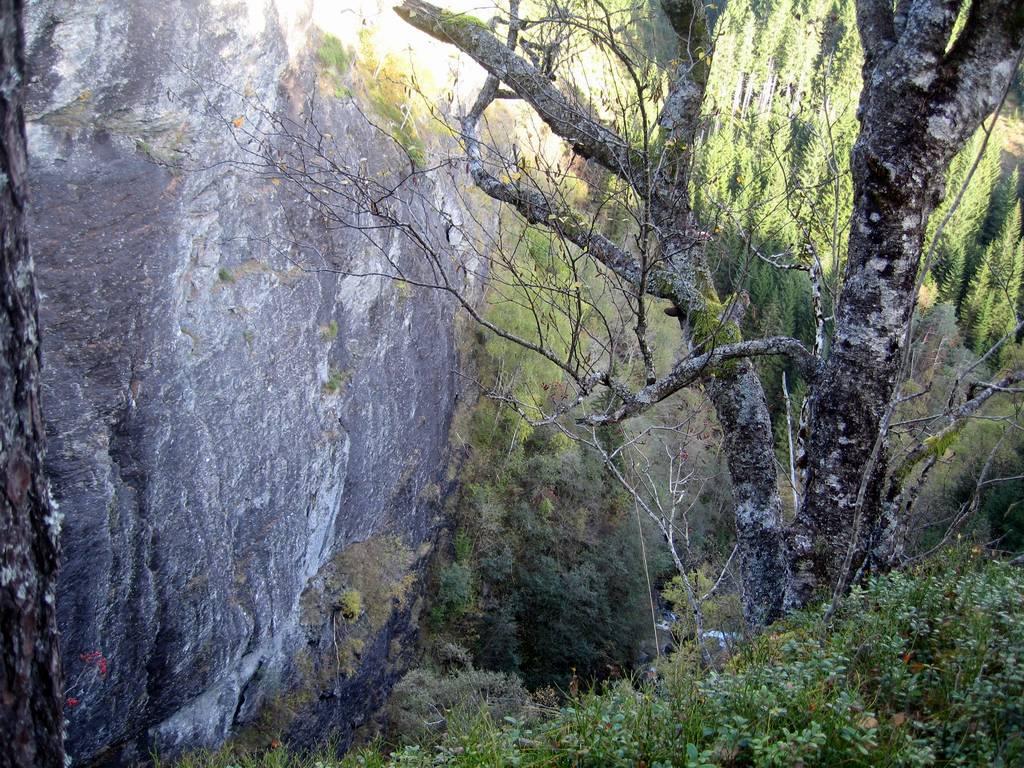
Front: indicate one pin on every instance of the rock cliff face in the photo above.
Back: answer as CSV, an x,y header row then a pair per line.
x,y
249,455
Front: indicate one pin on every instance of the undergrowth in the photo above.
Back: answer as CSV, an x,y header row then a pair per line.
x,y
920,668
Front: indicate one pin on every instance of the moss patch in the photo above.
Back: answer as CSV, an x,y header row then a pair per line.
x,y
336,379
373,576
351,604
329,332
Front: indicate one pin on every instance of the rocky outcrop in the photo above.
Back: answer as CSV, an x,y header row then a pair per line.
x,y
243,448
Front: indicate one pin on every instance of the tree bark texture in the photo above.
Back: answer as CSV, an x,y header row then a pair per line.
x,y
918,107
743,412
31,707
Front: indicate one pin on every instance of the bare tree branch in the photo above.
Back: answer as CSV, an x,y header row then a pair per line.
x,y
954,422
687,371
589,138
978,68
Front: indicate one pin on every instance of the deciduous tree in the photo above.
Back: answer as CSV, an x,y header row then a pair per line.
x,y
928,84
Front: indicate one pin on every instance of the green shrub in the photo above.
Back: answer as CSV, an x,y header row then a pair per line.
x,y
455,590
424,702
919,668
333,55
463,546
452,657
551,557
351,604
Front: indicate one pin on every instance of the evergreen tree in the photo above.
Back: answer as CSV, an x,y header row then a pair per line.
x,y
963,231
989,310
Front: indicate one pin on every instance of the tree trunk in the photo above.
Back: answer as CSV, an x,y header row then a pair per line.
x,y
846,408
922,100
31,714
743,413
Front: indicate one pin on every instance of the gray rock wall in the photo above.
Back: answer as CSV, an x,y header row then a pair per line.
x,y
238,445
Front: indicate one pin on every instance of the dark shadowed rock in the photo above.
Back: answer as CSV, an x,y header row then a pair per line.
x,y
238,445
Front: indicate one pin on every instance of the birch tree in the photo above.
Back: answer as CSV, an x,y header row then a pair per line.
x,y
928,85
933,71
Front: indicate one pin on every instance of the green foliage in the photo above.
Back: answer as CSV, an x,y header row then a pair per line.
x,y
279,757
784,82
351,604
547,575
957,249
989,309
723,612
225,276
424,703
786,79
454,592
364,584
463,546
388,88
1003,509
333,55
335,62
920,668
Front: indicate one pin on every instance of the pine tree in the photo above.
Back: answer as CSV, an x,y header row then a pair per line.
x,y
963,231
990,307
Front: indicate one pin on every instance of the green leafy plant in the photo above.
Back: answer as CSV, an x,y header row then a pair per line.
x,y
351,604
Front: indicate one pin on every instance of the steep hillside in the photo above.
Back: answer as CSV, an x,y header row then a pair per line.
x,y
242,444
919,668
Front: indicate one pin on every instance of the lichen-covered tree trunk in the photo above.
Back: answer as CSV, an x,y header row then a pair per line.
x,y
922,100
742,410
860,376
31,715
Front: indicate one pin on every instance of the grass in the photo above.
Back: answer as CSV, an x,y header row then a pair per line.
x,y
333,56
335,62
920,668
336,379
329,332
